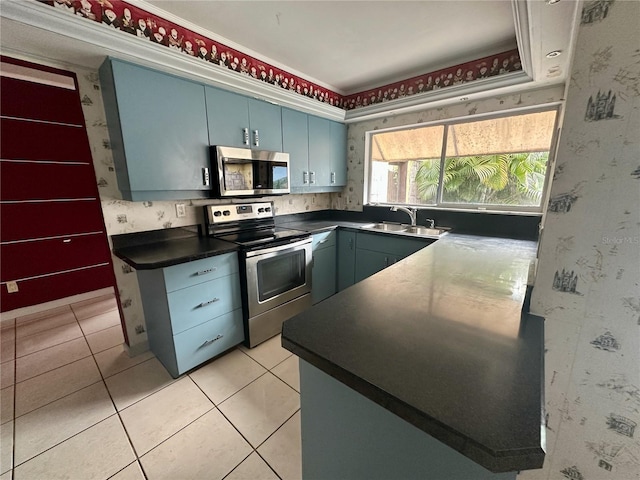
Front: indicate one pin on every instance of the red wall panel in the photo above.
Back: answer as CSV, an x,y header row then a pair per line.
x,y
21,221
39,181
40,290
29,259
40,102
27,140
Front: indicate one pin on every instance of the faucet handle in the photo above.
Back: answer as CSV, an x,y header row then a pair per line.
x,y
432,223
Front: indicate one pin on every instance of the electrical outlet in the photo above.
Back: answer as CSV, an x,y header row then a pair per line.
x,y
12,287
181,210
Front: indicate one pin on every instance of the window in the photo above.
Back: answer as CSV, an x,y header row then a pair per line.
x,y
495,164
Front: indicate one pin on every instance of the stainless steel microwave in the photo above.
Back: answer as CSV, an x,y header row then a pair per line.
x,y
241,172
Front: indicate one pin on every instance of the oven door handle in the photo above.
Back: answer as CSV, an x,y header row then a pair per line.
x,y
279,248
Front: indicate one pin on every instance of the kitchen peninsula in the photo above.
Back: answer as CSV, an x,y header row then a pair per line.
x,y
428,369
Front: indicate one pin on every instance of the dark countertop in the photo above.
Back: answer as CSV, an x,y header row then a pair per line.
x,y
439,340
159,249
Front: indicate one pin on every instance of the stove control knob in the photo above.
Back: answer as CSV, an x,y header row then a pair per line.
x,y
268,209
217,213
260,210
226,213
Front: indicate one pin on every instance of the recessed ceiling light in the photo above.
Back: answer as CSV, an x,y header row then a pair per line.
x,y
552,2
464,99
554,54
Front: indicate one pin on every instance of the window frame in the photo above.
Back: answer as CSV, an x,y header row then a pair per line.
x,y
469,207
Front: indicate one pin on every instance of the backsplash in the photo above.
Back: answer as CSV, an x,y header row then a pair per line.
x,y
588,278
121,216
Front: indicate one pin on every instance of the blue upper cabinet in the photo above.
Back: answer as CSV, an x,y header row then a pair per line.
x,y
317,150
338,154
158,132
238,121
295,141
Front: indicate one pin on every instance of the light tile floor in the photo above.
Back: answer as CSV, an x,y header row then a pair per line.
x,y
75,405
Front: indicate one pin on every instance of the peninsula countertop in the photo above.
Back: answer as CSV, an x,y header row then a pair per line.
x,y
440,340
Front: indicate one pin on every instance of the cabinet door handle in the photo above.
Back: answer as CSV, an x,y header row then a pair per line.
x,y
256,138
208,302
322,241
351,244
245,136
386,261
305,178
312,177
205,176
209,342
205,272
333,177
66,240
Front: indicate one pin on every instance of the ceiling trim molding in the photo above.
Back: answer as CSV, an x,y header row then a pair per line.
x,y
153,9
492,86
131,48
521,16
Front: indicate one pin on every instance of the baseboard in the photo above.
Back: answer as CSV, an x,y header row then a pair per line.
x,y
41,307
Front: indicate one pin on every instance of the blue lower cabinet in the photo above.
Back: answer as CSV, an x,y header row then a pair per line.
x,y
323,274
199,344
346,261
369,262
188,326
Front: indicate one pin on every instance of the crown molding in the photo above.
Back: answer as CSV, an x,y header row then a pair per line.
x,y
521,16
158,11
502,84
108,42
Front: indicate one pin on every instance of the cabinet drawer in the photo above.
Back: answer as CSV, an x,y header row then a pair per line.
x,y
200,271
389,244
192,306
323,240
205,341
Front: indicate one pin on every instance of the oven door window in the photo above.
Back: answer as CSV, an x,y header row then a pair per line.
x,y
279,274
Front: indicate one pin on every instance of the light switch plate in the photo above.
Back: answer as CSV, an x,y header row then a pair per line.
x,y
181,211
12,287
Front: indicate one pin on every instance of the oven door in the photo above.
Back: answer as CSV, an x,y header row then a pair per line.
x,y
277,275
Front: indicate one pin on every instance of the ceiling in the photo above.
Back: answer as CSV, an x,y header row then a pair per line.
x,y
352,46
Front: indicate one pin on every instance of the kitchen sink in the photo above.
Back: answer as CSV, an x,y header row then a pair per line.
x,y
388,227
418,230
403,228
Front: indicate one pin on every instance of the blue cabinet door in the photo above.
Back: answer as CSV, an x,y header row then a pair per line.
x,y
346,259
338,154
323,275
295,142
158,130
369,262
227,118
265,124
319,152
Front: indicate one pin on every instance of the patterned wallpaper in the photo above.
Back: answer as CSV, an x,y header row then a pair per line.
x,y
121,216
352,197
588,280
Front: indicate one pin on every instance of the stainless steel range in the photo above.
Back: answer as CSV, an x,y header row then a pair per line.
x,y
275,263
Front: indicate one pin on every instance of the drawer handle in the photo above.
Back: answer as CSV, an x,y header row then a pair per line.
x,y
204,304
66,240
208,270
322,241
209,342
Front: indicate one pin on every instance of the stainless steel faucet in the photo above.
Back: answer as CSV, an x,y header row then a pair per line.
x,y
411,211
